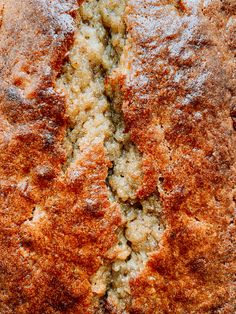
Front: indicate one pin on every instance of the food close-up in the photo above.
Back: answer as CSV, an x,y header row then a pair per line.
x,y
117,156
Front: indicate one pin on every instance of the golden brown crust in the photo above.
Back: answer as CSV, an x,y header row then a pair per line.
x,y
178,96
56,221
56,224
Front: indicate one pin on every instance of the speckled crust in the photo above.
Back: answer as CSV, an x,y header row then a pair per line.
x,y
178,96
56,223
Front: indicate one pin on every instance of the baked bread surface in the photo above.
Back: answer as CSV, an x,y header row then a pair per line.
x,y
179,99
55,224
61,216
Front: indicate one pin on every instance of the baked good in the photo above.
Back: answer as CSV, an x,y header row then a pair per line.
x,y
117,161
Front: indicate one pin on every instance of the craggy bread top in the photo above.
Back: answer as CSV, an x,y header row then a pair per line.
x,y
56,223
179,94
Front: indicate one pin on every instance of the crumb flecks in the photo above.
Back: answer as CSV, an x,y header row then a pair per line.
x,y
92,80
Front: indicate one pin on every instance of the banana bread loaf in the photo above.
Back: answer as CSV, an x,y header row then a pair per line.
x,y
117,156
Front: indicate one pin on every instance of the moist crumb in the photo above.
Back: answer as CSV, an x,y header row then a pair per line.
x,y
94,109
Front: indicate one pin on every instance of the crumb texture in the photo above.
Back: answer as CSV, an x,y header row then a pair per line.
x,y
91,81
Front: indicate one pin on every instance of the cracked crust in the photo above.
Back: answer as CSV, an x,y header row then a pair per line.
x,y
59,223
178,94
56,224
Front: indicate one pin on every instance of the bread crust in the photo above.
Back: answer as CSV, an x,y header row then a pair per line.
x,y
178,94
56,220
56,223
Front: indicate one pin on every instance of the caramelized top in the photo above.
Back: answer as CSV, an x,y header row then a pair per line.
x,y
179,93
56,222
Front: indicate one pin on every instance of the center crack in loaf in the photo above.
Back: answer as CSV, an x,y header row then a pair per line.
x,y
92,81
